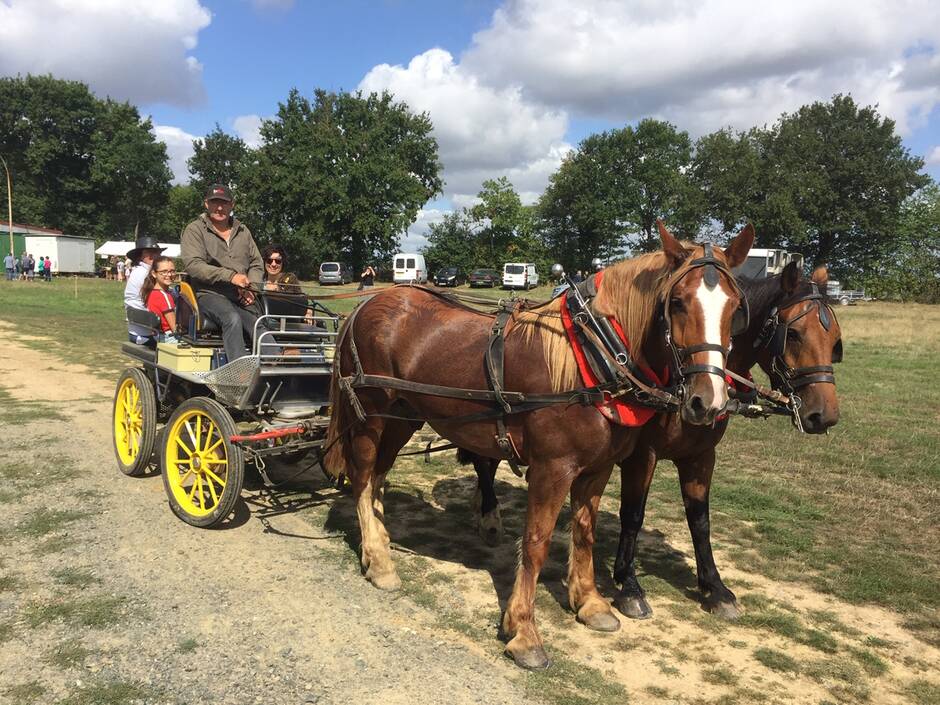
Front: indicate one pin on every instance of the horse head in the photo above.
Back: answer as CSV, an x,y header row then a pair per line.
x,y
702,308
799,343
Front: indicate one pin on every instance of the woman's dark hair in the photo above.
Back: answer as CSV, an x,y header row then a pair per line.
x,y
270,250
151,280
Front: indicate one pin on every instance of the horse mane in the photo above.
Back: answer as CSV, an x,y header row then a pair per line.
x,y
764,293
631,291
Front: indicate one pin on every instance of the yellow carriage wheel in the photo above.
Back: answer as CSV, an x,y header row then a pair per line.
x,y
203,471
134,422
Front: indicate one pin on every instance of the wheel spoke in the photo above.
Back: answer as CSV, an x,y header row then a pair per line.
x,y
216,461
202,492
214,445
182,445
215,477
209,431
197,441
192,437
192,492
215,496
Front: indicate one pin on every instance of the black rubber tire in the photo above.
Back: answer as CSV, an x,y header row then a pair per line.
x,y
204,408
131,463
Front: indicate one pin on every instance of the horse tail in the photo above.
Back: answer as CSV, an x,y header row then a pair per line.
x,y
342,414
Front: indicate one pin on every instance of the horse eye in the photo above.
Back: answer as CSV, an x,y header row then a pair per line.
x,y
793,335
676,304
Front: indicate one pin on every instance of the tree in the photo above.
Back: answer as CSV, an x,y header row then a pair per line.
x,y
218,158
580,215
912,270
184,204
505,228
728,169
340,178
452,243
653,173
86,166
835,176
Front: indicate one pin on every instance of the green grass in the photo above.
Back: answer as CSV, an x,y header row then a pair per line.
x,y
25,692
74,577
99,611
187,646
108,693
46,521
68,654
923,692
719,676
776,660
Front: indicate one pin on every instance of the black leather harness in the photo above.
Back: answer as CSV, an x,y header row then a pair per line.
x,y
773,337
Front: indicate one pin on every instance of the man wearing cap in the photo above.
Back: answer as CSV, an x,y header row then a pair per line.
x,y
146,249
225,268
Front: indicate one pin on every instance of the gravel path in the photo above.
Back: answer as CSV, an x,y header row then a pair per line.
x,y
153,610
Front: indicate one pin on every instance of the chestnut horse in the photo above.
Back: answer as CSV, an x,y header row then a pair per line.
x,y
794,336
410,334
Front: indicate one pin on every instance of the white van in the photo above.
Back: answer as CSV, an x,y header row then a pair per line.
x,y
408,267
519,275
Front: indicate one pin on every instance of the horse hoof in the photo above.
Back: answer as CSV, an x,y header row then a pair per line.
x,y
729,611
633,607
532,660
389,582
491,537
601,622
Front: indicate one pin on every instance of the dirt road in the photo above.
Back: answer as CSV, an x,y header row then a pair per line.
x,y
109,598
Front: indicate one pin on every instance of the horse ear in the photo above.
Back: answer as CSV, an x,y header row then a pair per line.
x,y
789,278
737,251
673,249
821,277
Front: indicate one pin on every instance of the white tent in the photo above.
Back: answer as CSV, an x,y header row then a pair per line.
x,y
117,248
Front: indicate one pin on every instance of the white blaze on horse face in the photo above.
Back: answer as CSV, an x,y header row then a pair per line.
x,y
713,303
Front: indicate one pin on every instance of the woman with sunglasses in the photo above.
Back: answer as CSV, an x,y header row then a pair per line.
x,y
160,298
277,279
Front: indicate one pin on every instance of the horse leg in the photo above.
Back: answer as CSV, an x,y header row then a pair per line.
x,y
695,479
636,473
548,485
593,610
485,503
374,450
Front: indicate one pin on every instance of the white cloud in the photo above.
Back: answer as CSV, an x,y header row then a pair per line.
x,y
709,63
135,51
248,128
933,159
416,237
179,148
483,132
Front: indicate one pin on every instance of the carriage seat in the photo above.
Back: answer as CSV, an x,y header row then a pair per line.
x,y
190,324
145,319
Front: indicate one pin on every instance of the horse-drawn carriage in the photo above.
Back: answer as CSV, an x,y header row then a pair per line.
x,y
207,418
648,345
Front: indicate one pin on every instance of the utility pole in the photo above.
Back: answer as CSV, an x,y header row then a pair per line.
x,y
9,200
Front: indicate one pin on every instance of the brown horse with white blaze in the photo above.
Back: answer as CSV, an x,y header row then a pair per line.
x,y
664,302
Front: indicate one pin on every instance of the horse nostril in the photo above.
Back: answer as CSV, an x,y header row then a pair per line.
x,y
814,420
696,404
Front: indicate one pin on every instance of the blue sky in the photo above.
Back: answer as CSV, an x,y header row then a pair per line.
x,y
511,85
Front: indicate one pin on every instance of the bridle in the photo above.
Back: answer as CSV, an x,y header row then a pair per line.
x,y
773,337
739,322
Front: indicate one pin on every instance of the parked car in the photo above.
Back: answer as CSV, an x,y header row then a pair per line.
x,y
519,275
449,276
485,277
408,267
335,273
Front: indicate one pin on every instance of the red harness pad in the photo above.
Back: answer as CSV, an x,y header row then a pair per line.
x,y
616,410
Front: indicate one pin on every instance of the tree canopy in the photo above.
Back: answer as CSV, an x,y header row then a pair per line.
x,y
339,178
84,165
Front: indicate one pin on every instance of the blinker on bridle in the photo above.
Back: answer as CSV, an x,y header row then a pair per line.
x,y
711,278
773,336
